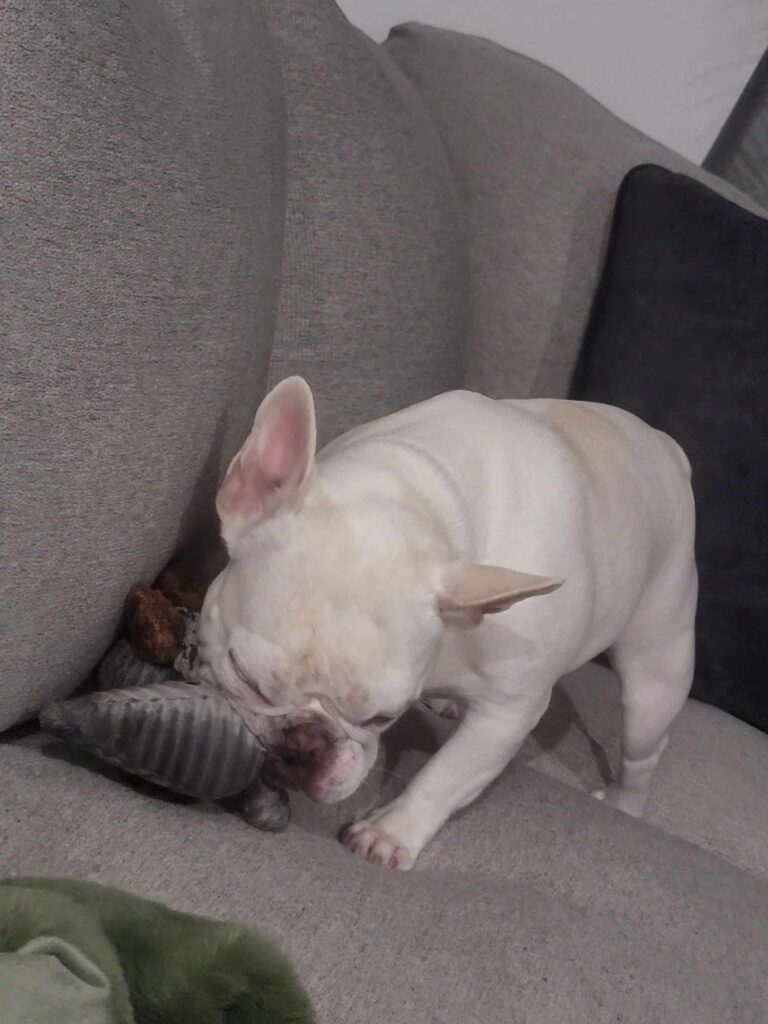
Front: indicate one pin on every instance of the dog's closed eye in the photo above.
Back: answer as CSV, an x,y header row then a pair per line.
x,y
243,675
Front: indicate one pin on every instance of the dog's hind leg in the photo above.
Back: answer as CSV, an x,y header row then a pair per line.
x,y
443,707
654,658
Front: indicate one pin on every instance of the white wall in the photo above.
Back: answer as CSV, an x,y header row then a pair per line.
x,y
670,67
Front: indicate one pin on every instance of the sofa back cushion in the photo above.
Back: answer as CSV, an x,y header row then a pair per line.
x,y
373,301
538,163
142,214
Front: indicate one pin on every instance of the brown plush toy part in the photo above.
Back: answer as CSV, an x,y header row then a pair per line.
x,y
184,585
155,628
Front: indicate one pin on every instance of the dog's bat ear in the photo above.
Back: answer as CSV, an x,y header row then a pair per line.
x,y
272,468
469,592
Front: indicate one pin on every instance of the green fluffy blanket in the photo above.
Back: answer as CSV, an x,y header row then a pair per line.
x,y
78,953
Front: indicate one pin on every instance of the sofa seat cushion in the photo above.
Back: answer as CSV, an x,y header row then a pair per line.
x,y
711,787
537,904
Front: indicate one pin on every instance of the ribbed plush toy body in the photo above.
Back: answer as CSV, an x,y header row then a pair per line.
x,y
150,721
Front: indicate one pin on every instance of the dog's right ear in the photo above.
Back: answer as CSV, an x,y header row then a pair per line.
x,y
470,592
272,468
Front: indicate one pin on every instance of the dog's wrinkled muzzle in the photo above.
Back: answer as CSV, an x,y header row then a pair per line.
x,y
313,756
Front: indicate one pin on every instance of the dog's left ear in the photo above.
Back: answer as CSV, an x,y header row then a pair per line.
x,y
271,470
472,591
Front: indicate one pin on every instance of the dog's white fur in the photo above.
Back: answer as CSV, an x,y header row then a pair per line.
x,y
361,581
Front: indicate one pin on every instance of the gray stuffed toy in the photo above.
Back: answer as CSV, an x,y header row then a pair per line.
x,y
150,721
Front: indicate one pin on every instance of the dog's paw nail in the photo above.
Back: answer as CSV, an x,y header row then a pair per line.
x,y
376,846
598,794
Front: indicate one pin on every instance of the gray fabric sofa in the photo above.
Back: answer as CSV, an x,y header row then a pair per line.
x,y
198,199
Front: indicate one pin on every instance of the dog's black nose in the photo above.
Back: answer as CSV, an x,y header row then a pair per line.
x,y
300,751
306,740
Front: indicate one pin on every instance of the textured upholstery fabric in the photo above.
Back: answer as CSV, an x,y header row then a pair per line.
x,y
141,209
373,295
538,163
710,787
538,904
679,336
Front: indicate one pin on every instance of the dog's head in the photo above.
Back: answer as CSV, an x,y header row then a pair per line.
x,y
329,614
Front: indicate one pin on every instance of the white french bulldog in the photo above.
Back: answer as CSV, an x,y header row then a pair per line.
x,y
463,548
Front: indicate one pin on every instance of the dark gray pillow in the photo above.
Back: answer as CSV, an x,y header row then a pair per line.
x,y
679,336
142,211
373,300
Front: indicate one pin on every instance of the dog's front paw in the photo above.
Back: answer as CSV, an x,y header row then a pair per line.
x,y
632,803
368,840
